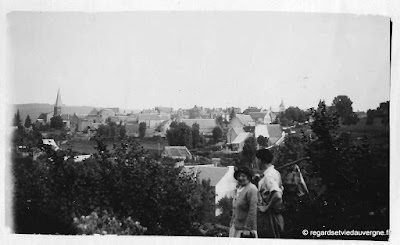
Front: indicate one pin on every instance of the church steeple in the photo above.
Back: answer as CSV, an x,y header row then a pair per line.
x,y
57,105
282,106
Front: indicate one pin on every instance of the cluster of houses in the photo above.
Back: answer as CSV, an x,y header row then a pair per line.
x,y
158,121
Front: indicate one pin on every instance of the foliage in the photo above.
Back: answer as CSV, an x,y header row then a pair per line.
x,y
17,119
196,135
122,131
220,121
51,191
232,113
111,131
262,141
56,122
249,152
381,112
106,224
217,134
291,115
348,184
180,134
142,129
195,112
225,206
28,122
343,106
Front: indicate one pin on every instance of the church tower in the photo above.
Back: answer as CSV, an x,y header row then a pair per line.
x,y
57,105
282,106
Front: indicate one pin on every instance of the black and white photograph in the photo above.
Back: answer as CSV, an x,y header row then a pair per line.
x,y
237,125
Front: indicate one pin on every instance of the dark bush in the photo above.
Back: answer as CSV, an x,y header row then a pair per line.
x,y
51,191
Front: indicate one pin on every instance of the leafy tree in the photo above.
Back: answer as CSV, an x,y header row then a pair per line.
x,y
180,134
381,112
17,119
28,122
195,112
350,175
217,134
225,206
232,113
103,131
291,115
343,106
56,122
122,132
220,121
196,135
262,141
113,132
249,152
142,129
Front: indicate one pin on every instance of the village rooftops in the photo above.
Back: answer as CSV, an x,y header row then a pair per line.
x,y
246,120
204,124
205,172
275,133
261,130
240,138
142,117
176,152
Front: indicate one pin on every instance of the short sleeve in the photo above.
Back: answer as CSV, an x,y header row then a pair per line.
x,y
272,184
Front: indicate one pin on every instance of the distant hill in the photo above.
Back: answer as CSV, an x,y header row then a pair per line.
x,y
34,110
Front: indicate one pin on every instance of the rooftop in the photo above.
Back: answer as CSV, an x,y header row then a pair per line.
x,y
214,174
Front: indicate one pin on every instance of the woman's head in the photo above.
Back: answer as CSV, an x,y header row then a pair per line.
x,y
243,175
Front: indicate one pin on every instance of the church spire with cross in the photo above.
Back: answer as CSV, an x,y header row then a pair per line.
x,y
57,105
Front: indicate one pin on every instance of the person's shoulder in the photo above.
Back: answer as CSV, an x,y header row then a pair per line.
x,y
252,187
273,172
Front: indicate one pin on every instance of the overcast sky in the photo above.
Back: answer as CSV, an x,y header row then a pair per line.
x,y
213,59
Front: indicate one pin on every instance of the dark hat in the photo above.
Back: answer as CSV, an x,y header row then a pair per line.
x,y
265,155
243,170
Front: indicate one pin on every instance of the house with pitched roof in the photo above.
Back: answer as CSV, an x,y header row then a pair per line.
x,y
161,109
262,130
232,134
242,120
163,127
176,152
238,143
276,135
206,125
152,120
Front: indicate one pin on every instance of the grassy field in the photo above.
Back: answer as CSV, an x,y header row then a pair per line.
x,y
88,147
